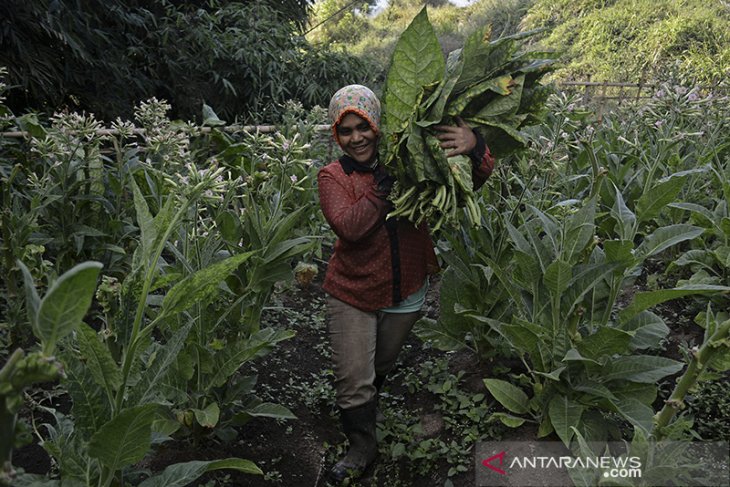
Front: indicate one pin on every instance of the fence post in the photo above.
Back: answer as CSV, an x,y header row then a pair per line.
x,y
601,106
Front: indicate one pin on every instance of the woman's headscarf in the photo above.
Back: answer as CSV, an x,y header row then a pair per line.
x,y
356,99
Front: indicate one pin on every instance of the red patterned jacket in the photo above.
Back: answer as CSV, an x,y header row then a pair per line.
x,y
377,263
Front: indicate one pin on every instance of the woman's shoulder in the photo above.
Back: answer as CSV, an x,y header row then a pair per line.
x,y
334,168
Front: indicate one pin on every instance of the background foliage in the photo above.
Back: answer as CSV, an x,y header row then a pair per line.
x,y
104,57
368,33
602,40
634,40
245,59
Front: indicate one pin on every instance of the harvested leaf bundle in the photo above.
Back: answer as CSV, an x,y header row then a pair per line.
x,y
491,85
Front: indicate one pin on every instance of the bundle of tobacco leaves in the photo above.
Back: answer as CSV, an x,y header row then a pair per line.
x,y
492,85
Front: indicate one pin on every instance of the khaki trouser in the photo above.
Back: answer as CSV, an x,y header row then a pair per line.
x,y
363,344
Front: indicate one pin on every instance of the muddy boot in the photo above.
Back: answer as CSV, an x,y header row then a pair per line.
x,y
358,424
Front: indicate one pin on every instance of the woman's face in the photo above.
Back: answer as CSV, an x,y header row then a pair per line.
x,y
357,138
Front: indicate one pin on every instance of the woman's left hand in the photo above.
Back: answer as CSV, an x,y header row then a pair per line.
x,y
457,140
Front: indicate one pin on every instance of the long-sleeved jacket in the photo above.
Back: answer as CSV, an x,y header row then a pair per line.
x,y
377,263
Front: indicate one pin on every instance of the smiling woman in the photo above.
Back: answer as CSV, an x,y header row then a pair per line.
x,y
377,277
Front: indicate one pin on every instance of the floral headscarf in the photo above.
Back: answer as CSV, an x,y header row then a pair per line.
x,y
356,99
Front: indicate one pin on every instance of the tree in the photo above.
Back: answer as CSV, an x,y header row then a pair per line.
x,y
245,59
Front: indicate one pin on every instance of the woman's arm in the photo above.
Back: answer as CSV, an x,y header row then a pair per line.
x,y
351,219
482,162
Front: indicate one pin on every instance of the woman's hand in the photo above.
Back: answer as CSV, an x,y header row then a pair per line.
x,y
457,140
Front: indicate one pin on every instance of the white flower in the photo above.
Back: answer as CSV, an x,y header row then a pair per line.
x,y
294,178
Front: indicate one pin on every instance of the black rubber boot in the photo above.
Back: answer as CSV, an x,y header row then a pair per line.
x,y
359,426
378,382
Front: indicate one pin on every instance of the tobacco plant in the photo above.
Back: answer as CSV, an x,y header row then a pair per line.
x,y
584,361
565,234
156,361
113,376
52,318
226,330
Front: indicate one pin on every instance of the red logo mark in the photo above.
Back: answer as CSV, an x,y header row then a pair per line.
x,y
487,463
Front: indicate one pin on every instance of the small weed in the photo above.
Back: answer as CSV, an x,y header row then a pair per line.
x,y
449,434
710,406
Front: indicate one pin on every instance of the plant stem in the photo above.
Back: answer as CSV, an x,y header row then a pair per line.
x,y
700,359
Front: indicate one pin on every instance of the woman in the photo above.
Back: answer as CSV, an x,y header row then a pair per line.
x,y
377,277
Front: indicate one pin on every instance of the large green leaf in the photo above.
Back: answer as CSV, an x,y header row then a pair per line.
x,y
564,414
475,57
504,105
624,217
281,243
435,108
645,369
595,389
208,417
430,330
557,277
645,393
579,232
182,474
528,272
574,355
417,61
99,360
91,408
518,240
65,304
606,341
32,300
418,163
125,439
147,230
539,249
508,395
658,197
704,215
271,410
230,359
648,299
506,130
529,339
200,286
152,229
585,278
619,251
146,389
458,286
593,426
636,412
501,85
665,237
649,330
507,419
